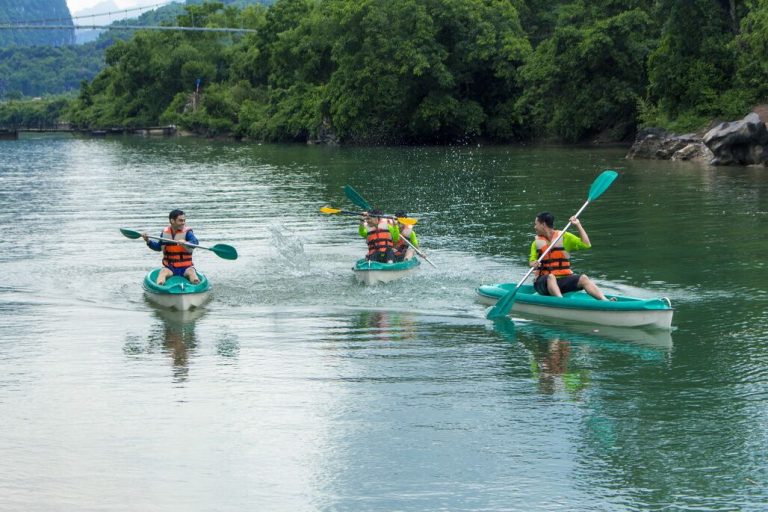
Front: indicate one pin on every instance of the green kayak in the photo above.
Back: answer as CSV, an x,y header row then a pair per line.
x,y
177,292
372,272
621,311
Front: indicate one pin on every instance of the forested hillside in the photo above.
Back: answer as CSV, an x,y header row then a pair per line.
x,y
415,71
50,12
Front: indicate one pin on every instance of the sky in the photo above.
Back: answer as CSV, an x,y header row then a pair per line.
x,y
79,5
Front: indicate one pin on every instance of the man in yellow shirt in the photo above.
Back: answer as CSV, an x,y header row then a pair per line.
x,y
553,274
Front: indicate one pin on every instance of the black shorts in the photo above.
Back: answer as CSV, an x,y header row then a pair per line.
x,y
382,256
566,284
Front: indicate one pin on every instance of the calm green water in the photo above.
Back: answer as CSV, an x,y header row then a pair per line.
x,y
298,389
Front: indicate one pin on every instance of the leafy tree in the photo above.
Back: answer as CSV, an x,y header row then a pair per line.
x,y
693,63
589,76
751,46
421,70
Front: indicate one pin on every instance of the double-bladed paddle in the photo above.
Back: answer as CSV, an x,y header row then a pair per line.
x,y
404,220
505,303
222,250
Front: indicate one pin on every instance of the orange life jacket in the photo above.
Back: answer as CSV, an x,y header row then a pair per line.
x,y
557,261
176,255
379,240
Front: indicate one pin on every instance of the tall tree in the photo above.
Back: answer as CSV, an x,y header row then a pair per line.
x,y
588,77
694,62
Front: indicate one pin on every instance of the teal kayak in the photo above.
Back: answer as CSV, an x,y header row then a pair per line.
x,y
177,292
621,311
372,272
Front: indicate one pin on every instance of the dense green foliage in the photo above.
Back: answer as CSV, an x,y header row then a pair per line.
x,y
51,12
42,70
32,113
405,71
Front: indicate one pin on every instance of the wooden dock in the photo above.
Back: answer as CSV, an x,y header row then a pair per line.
x,y
9,134
149,131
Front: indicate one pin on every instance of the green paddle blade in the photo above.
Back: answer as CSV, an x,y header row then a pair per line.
x,y
356,198
130,233
601,184
503,306
224,251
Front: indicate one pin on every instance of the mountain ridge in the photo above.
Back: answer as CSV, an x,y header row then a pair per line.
x,y
44,12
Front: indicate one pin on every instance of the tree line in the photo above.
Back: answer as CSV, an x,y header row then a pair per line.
x,y
438,71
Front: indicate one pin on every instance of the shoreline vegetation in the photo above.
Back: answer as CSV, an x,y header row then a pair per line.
x,y
428,72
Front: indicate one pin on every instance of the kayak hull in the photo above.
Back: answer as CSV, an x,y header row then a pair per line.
x,y
371,272
580,307
177,292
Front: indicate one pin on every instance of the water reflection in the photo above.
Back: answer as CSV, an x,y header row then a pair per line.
x,y
178,338
174,335
561,355
389,325
550,368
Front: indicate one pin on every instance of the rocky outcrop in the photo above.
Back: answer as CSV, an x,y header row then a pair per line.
x,y
655,143
743,142
325,134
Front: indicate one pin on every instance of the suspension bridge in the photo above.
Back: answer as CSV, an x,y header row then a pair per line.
x,y
62,24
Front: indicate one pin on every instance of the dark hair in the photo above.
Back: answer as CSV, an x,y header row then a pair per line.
x,y
547,218
174,214
375,213
401,213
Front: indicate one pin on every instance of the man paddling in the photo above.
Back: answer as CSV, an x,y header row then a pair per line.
x,y
177,257
553,274
403,251
381,236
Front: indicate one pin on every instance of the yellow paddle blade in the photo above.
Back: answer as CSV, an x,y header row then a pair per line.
x,y
407,220
328,209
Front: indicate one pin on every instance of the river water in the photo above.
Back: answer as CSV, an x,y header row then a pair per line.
x,y
298,389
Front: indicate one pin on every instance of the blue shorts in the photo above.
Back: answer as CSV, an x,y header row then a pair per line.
x,y
566,284
178,271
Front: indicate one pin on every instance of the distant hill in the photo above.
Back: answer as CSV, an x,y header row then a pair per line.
x,y
42,70
47,12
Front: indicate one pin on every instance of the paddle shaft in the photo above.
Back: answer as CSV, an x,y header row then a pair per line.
x,y
405,220
182,242
348,212
221,250
405,239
